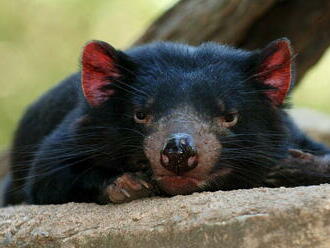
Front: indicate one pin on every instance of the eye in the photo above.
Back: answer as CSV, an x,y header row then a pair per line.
x,y
142,117
229,120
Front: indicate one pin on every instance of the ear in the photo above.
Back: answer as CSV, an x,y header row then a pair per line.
x,y
99,70
276,70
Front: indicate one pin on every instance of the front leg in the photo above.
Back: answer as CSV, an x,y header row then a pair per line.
x,y
57,176
66,184
300,169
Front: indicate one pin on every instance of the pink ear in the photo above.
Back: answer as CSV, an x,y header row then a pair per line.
x,y
276,69
98,69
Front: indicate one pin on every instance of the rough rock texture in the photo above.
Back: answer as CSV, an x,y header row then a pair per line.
x,y
297,217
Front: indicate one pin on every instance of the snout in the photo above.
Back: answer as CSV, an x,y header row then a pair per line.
x,y
183,152
179,153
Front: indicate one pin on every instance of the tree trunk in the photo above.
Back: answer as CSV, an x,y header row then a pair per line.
x,y
249,24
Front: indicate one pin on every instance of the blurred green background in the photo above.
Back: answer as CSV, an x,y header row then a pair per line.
x,y
40,43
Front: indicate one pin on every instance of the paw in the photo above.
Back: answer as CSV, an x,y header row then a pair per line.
x,y
295,153
129,187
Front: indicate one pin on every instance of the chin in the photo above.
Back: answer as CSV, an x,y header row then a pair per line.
x,y
179,185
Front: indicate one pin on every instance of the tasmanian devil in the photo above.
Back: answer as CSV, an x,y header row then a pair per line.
x,y
167,119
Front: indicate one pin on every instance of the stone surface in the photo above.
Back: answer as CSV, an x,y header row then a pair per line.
x,y
258,218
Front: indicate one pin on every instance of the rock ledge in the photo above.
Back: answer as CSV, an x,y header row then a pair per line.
x,y
282,217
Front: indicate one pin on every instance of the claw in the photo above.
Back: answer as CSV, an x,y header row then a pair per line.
x,y
144,184
125,193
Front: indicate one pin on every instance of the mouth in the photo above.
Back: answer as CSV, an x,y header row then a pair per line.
x,y
179,185
188,184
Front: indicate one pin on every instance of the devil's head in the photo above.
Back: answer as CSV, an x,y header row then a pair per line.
x,y
206,117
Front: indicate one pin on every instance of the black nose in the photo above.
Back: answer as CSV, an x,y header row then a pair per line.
x,y
179,153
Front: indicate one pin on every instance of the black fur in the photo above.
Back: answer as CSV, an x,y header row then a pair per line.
x,y
65,150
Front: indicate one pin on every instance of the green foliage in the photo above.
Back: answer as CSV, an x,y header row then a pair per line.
x,y
40,42
314,90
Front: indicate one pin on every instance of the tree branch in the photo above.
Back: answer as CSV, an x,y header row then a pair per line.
x,y
248,24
